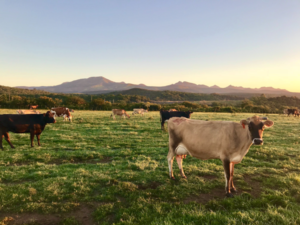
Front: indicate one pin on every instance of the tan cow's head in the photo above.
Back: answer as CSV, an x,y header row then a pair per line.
x,y
256,127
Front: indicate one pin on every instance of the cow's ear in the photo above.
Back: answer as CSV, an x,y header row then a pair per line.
x,y
268,124
244,123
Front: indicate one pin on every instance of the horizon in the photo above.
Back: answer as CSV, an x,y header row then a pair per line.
x,y
250,44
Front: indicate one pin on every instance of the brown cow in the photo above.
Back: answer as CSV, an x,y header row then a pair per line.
x,y
33,106
225,140
62,111
119,112
30,123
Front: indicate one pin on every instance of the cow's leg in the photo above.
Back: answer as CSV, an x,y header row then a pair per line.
x,y
6,135
228,178
38,139
233,189
1,137
179,159
31,137
170,158
162,125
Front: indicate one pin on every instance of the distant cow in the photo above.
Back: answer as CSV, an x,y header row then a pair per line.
x,y
31,123
225,140
291,111
172,110
28,112
71,110
139,111
33,106
62,111
119,112
165,115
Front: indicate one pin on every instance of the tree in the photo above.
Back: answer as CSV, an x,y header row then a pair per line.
x,y
75,101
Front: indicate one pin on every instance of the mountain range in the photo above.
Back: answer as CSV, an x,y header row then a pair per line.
x,y
97,85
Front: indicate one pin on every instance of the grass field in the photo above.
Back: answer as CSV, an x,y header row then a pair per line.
x,y
99,171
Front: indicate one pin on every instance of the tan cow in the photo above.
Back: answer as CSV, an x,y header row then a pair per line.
x,y
62,111
28,112
172,110
225,140
119,112
139,111
33,106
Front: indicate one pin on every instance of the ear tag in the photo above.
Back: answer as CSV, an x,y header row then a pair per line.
x,y
243,126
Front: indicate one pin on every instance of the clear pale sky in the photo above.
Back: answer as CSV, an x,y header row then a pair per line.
x,y
250,43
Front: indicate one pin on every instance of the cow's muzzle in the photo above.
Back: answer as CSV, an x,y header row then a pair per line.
x,y
257,141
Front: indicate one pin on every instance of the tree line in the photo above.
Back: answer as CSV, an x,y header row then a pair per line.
x,y
258,104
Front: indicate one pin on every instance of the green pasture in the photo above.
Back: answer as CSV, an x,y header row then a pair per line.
x,y
97,170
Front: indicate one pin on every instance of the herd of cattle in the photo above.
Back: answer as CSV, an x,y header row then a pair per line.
x,y
225,140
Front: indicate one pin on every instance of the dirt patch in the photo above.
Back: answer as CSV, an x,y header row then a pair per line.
x,y
208,177
152,185
219,193
255,186
83,215
11,183
294,156
61,161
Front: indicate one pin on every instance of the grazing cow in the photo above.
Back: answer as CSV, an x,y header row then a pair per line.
x,y
119,112
139,111
71,110
165,115
66,117
31,123
225,140
28,112
292,111
172,110
62,111
33,106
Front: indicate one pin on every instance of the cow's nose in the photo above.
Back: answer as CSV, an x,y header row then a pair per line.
x,y
258,141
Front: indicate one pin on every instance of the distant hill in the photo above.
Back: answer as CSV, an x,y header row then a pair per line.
x,y
98,85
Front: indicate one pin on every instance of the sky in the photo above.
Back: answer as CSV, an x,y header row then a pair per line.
x,y
249,43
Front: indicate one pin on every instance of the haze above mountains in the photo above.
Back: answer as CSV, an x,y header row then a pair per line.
x,y
97,85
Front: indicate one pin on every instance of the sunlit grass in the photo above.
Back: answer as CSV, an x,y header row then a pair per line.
x,y
117,171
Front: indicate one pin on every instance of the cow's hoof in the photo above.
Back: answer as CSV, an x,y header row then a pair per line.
x,y
184,177
229,195
173,178
233,190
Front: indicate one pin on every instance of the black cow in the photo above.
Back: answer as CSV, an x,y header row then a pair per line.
x,y
166,115
29,123
292,111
